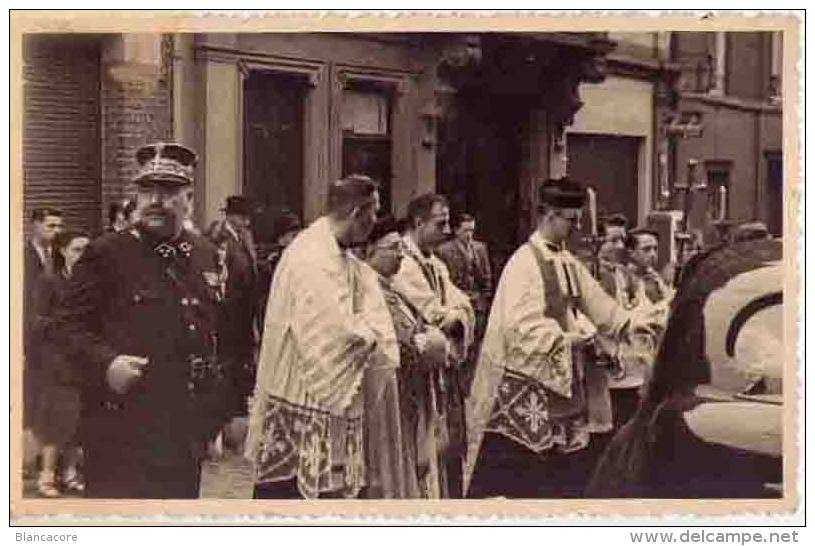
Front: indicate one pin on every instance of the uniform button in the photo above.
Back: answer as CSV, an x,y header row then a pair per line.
x,y
136,298
192,327
185,302
195,301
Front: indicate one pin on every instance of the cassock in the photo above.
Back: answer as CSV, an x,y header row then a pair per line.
x,y
328,356
424,431
424,282
537,396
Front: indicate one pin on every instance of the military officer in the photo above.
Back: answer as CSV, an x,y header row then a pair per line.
x,y
139,317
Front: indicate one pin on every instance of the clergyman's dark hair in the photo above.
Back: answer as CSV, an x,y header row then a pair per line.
x,y
616,220
350,192
633,237
421,207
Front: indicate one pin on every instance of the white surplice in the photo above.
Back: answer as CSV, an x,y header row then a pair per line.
x,y
327,326
523,339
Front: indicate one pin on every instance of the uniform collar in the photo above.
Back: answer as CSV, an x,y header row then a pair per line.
x,y
180,245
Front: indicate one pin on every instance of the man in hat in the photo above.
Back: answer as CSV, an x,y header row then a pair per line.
x,y
536,393
139,317
238,332
285,227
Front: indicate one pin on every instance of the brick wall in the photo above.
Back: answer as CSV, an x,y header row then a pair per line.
x,y
133,113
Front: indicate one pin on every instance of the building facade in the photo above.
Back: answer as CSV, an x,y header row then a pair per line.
x,y
731,85
481,118
474,116
276,117
618,142
89,102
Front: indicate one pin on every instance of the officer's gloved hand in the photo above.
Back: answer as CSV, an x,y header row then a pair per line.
x,y
124,371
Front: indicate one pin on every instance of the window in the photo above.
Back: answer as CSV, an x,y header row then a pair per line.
x,y
718,53
774,204
776,67
273,145
718,188
366,136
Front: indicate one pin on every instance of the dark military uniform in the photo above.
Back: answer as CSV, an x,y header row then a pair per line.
x,y
128,296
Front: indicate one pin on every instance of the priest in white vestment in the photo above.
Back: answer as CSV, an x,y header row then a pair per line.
x,y
328,342
424,281
537,395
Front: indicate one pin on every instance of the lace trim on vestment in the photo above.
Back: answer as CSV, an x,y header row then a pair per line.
x,y
527,413
323,452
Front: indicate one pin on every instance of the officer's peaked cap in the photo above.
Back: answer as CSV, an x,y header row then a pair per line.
x,y
166,163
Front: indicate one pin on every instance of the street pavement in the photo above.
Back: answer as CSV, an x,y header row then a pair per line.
x,y
229,477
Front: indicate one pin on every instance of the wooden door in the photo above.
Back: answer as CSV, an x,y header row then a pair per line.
x,y
273,146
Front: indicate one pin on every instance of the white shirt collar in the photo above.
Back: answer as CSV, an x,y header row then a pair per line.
x,y
231,229
537,239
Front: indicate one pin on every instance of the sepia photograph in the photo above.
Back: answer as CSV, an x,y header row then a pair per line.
x,y
550,259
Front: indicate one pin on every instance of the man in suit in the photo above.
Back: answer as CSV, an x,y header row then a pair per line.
x,y
469,265
238,333
139,318
468,262
38,259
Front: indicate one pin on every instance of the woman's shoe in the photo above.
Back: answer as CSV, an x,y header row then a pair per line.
x,y
47,485
73,482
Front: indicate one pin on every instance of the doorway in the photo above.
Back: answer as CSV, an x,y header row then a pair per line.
x,y
366,137
478,165
610,164
775,194
273,146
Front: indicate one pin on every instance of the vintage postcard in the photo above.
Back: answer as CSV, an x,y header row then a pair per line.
x,y
399,264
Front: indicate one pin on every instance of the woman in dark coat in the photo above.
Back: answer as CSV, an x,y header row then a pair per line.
x,y
57,402
710,423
